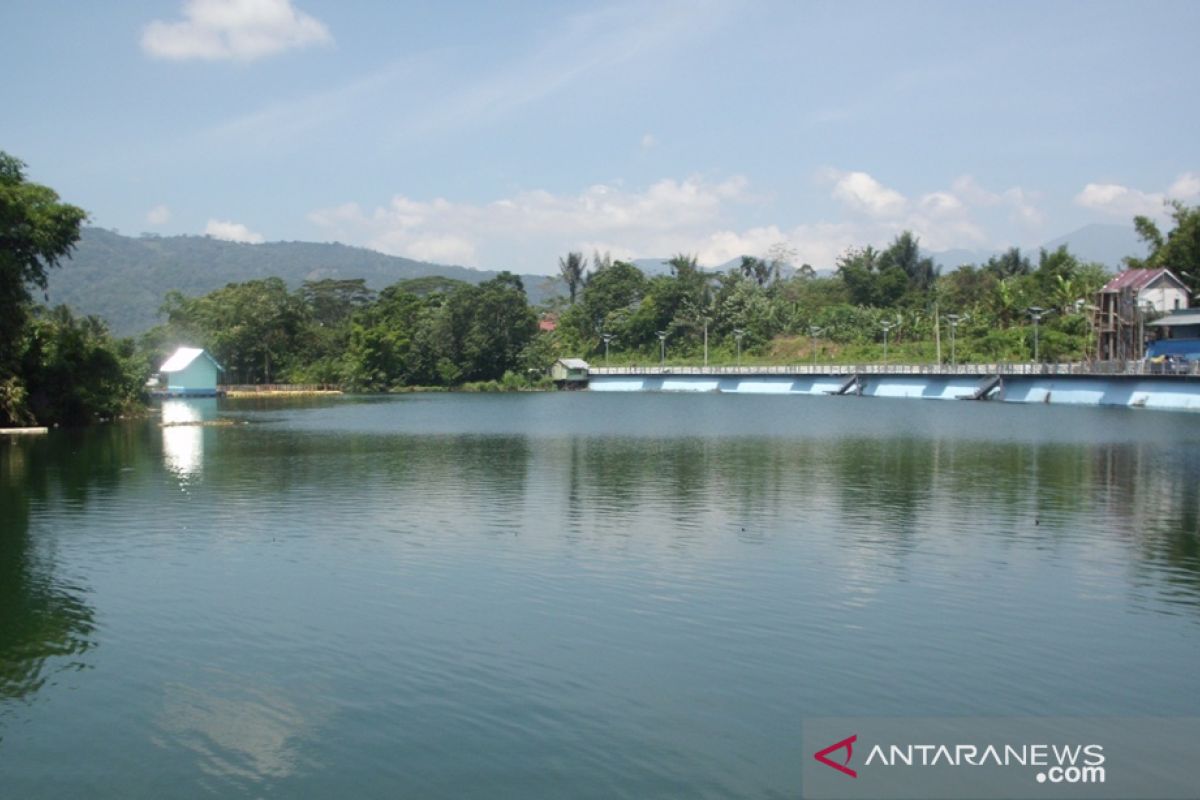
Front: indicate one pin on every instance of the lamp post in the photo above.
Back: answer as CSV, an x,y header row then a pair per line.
x,y
662,343
738,333
1036,312
706,341
607,337
953,320
814,332
887,326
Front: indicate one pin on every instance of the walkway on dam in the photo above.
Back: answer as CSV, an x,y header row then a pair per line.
x,y
1088,368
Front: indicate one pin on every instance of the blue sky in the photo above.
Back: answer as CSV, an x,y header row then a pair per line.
x,y
500,135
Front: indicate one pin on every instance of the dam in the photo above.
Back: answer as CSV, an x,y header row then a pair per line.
x,y
1129,385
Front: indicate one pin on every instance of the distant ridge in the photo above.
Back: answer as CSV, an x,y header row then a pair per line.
x,y
1103,244
124,279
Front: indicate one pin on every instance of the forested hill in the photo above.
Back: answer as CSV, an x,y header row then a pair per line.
x,y
124,279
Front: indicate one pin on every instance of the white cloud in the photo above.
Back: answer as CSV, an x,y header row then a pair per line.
x,y
667,216
1120,201
940,204
649,142
159,215
528,230
1019,202
860,192
232,232
943,218
1185,187
237,30
1124,201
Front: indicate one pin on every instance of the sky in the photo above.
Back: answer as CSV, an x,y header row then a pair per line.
x,y
502,135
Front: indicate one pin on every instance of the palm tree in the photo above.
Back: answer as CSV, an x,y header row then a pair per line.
x,y
572,269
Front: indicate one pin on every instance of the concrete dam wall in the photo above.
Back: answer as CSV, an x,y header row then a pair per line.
x,y
1163,392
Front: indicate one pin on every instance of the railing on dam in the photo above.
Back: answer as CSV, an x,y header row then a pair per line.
x,y
998,368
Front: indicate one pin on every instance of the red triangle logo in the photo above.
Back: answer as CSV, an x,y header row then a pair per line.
x,y
844,767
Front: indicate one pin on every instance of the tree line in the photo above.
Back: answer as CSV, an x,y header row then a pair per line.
x,y
440,332
418,332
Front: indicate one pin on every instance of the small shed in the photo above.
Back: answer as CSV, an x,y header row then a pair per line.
x,y
570,373
190,371
1178,334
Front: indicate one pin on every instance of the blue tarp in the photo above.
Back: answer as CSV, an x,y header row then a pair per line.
x,y
1188,348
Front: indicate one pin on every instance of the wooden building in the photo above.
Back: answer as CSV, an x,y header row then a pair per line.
x,y
1126,303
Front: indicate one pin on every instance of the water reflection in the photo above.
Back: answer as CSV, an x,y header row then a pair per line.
x,y
447,594
237,733
183,436
46,623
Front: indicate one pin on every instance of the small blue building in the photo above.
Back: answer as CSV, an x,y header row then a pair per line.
x,y
191,371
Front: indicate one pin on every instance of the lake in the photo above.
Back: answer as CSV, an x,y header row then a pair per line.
x,y
571,594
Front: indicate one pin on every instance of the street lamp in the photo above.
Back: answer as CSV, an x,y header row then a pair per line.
x,y
814,332
1036,312
953,320
738,333
607,337
662,342
887,326
706,341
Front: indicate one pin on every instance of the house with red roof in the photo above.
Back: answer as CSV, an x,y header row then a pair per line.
x,y
1127,302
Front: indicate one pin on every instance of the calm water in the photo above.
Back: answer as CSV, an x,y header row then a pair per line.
x,y
574,595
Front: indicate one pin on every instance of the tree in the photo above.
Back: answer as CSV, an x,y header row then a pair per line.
x,y
904,253
37,232
73,370
756,269
1179,250
869,281
572,268
780,256
610,293
1010,264
331,300
601,262
255,329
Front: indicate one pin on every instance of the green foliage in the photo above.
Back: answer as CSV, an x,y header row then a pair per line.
x,y
338,332
1011,264
1179,250
904,254
74,373
254,329
54,367
37,231
868,281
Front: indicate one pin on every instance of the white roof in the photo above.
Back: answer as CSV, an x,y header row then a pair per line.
x,y
573,363
183,357
1184,316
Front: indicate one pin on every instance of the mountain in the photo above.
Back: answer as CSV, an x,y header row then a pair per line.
x,y
1107,244
124,279
953,259
1103,244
